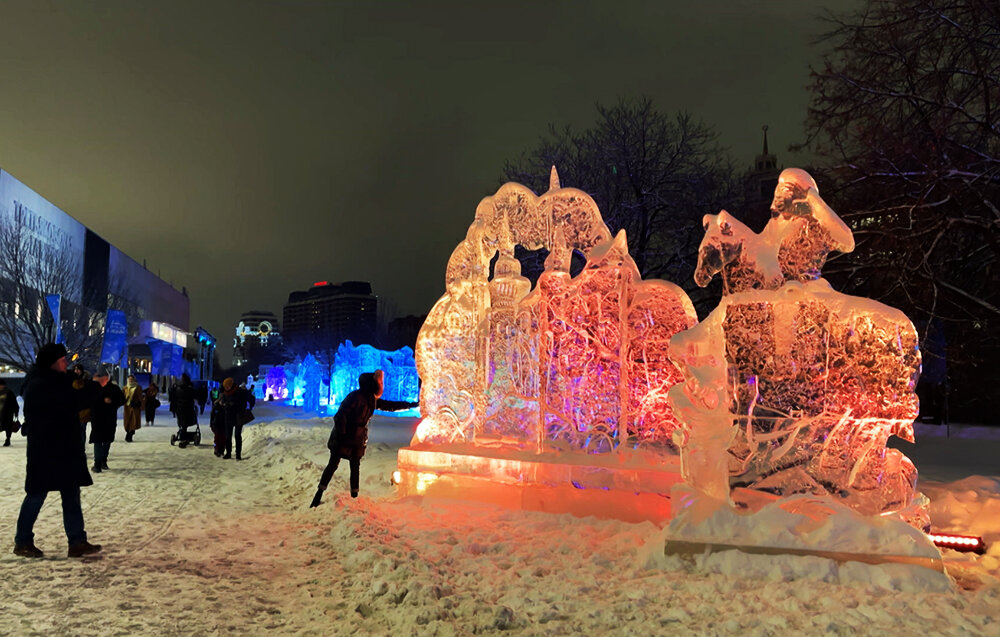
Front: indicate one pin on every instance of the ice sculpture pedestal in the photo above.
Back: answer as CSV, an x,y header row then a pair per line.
x,y
632,487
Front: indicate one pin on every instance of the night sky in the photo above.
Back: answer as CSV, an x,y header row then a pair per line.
x,y
248,149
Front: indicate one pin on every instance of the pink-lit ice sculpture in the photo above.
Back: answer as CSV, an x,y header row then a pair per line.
x,y
789,386
577,364
558,392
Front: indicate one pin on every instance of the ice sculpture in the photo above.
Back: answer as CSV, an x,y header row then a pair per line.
x,y
275,384
578,364
789,386
399,367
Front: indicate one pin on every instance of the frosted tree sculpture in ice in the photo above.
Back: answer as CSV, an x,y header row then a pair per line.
x,y
579,363
789,386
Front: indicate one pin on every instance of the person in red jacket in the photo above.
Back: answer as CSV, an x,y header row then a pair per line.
x,y
349,437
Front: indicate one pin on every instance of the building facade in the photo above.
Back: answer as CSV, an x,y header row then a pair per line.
x,y
258,338
327,314
60,257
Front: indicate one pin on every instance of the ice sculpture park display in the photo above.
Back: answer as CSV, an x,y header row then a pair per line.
x,y
538,395
599,389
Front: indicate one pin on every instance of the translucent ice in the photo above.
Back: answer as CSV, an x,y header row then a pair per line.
x,y
789,386
579,363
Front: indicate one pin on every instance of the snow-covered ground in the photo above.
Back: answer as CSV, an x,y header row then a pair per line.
x,y
196,545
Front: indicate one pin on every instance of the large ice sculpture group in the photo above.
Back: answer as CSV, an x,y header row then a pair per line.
x,y
787,387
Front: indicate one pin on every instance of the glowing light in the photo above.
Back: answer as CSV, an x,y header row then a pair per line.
x,y
425,480
963,543
396,477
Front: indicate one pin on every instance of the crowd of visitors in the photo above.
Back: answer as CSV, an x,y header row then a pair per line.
x,y
59,405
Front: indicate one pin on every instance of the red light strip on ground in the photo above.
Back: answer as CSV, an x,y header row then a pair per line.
x,y
963,543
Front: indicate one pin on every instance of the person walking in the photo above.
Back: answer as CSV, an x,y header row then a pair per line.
x,y
349,437
55,458
104,418
183,398
151,402
132,414
230,411
84,392
9,410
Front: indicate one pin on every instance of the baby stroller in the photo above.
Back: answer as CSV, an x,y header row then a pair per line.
x,y
185,435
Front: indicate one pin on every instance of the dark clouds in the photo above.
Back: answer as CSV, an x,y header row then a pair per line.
x,y
246,149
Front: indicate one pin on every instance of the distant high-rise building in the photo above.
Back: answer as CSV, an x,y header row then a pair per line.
x,y
257,338
403,331
327,314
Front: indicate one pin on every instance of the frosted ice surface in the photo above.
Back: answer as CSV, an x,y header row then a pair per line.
x,y
579,363
791,387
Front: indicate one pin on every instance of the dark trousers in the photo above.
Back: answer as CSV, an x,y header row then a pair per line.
x,y
72,517
355,464
101,451
150,415
238,434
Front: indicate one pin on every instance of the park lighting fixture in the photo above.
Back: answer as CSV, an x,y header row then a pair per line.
x,y
962,543
396,477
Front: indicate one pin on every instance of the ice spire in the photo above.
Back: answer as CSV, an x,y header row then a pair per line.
x,y
554,179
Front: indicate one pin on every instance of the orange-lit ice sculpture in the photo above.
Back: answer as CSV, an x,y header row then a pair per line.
x,y
789,386
536,396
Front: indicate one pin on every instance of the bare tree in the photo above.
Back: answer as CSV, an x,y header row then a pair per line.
x,y
652,174
29,270
904,111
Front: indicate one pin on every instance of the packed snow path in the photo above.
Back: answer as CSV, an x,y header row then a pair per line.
x,y
199,545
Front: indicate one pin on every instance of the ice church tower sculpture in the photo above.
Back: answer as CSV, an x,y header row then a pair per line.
x,y
577,364
789,386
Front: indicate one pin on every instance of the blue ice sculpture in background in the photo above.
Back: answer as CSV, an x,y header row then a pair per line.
x,y
275,384
311,380
401,380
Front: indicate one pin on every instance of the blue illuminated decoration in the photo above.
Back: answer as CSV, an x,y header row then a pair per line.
x,y
275,384
401,380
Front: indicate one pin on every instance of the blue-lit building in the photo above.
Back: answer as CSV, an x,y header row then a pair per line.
x,y
99,275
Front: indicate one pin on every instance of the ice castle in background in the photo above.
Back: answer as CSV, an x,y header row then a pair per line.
x,y
304,384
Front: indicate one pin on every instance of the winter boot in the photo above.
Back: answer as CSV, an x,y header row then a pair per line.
x,y
128,436
354,493
28,550
83,548
96,468
6,443
318,497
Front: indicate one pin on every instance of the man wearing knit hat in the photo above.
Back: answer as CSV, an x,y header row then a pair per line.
x,y
56,457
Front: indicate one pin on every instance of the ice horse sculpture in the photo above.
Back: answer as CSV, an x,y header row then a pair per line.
x,y
789,386
577,367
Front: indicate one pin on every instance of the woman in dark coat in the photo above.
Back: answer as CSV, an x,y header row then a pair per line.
x,y
8,410
104,418
229,414
56,457
349,437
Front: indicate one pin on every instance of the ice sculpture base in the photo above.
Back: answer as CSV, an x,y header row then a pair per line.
x,y
632,488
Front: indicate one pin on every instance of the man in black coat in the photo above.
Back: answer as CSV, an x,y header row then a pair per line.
x,y
8,410
104,417
56,458
183,399
349,437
